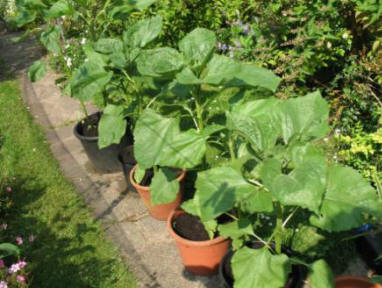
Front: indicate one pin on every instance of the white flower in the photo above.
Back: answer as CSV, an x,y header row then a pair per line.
x,y
83,41
345,35
337,132
69,62
326,139
329,45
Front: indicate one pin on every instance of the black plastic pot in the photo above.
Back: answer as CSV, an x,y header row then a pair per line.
x,y
370,248
127,160
296,278
104,160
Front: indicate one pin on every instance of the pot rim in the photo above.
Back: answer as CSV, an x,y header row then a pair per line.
x,y
82,137
188,242
147,188
358,279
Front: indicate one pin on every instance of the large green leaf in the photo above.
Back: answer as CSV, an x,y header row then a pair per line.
x,y
236,229
159,141
251,75
108,45
22,17
37,71
142,4
143,32
112,126
303,187
50,39
347,198
256,121
8,249
263,122
258,268
58,9
88,80
257,201
198,46
187,77
159,62
222,70
305,117
218,190
164,186
320,275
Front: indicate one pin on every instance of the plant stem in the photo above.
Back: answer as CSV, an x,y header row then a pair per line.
x,y
231,146
83,107
279,227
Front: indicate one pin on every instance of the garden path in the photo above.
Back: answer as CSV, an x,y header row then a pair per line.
x,y
145,244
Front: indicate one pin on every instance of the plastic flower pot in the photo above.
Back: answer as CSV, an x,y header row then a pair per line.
x,y
199,257
369,248
127,160
104,160
161,211
295,279
354,282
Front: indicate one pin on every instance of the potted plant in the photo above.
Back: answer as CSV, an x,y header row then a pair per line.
x,y
105,74
185,126
279,171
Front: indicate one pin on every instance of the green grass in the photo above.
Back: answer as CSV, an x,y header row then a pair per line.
x,y
70,249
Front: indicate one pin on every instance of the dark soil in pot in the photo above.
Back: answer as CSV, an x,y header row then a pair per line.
x,y
190,227
225,271
104,160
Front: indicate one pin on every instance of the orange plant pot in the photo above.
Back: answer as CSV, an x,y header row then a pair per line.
x,y
161,211
354,282
199,257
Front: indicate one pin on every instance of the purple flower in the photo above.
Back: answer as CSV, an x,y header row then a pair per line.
x,y
240,23
19,240
20,278
8,189
14,268
3,284
22,264
247,29
2,264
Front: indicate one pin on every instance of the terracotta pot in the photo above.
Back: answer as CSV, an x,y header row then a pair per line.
x,y
199,257
161,211
355,282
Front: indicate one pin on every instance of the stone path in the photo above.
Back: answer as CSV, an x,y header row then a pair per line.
x,y
145,244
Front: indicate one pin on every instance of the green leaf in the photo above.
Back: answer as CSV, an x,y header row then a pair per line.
x,y
218,190
37,71
187,77
272,271
220,70
88,80
253,76
143,4
305,116
211,227
257,122
139,174
236,229
8,249
320,275
159,141
258,201
303,187
59,9
23,17
108,46
164,186
347,198
376,279
112,126
33,4
50,39
198,46
159,62
143,32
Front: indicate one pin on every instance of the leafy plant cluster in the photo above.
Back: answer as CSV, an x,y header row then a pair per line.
x,y
259,159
